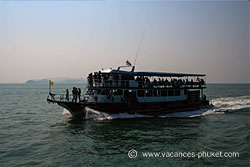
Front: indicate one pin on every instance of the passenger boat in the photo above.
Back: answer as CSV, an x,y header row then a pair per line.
x,y
123,90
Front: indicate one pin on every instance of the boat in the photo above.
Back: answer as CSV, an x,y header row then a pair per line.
x,y
123,90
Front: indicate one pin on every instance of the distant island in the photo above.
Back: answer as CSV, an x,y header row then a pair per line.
x,y
57,80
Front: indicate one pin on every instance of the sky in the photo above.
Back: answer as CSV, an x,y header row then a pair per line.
x,y
47,39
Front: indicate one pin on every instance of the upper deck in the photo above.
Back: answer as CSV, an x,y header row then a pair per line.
x,y
117,78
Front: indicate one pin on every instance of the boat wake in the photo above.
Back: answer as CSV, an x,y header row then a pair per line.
x,y
220,106
232,103
97,115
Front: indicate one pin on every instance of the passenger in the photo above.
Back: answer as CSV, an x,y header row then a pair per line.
x,y
174,83
99,78
187,82
95,78
138,79
154,82
110,80
90,80
202,81
147,82
105,80
102,80
159,82
180,83
67,94
76,93
73,93
79,94
52,96
204,98
166,82
183,82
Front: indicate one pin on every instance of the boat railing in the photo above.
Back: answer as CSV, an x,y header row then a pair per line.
x,y
64,98
100,83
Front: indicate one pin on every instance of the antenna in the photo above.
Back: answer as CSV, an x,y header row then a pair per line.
x,y
139,47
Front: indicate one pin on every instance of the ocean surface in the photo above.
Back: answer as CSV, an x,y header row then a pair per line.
x,y
35,133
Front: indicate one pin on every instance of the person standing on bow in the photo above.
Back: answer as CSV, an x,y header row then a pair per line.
x,y
67,94
79,94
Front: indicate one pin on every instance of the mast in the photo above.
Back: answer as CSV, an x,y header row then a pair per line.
x,y
138,49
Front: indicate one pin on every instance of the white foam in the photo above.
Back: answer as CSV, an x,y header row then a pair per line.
x,y
66,113
98,115
231,103
220,106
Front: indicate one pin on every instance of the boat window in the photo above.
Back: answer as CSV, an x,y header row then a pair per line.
x,y
156,92
149,93
105,92
170,92
140,93
185,92
117,92
177,92
164,93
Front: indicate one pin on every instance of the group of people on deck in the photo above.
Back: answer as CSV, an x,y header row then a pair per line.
x,y
76,92
161,82
104,79
99,79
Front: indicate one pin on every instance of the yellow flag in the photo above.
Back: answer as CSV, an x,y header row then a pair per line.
x,y
51,83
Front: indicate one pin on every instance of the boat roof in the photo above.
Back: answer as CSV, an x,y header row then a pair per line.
x,y
160,74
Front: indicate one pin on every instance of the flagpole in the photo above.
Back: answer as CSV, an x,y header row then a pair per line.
x,y
139,47
49,86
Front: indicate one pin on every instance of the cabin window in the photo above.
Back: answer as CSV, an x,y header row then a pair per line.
x,y
105,92
185,91
177,92
163,93
156,92
170,92
117,92
140,93
149,93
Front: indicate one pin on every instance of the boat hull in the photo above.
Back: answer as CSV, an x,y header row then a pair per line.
x,y
155,109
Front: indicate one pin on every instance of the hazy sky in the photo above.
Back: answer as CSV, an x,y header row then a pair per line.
x,y
45,39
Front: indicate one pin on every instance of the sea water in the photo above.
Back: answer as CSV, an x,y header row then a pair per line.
x,y
35,133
